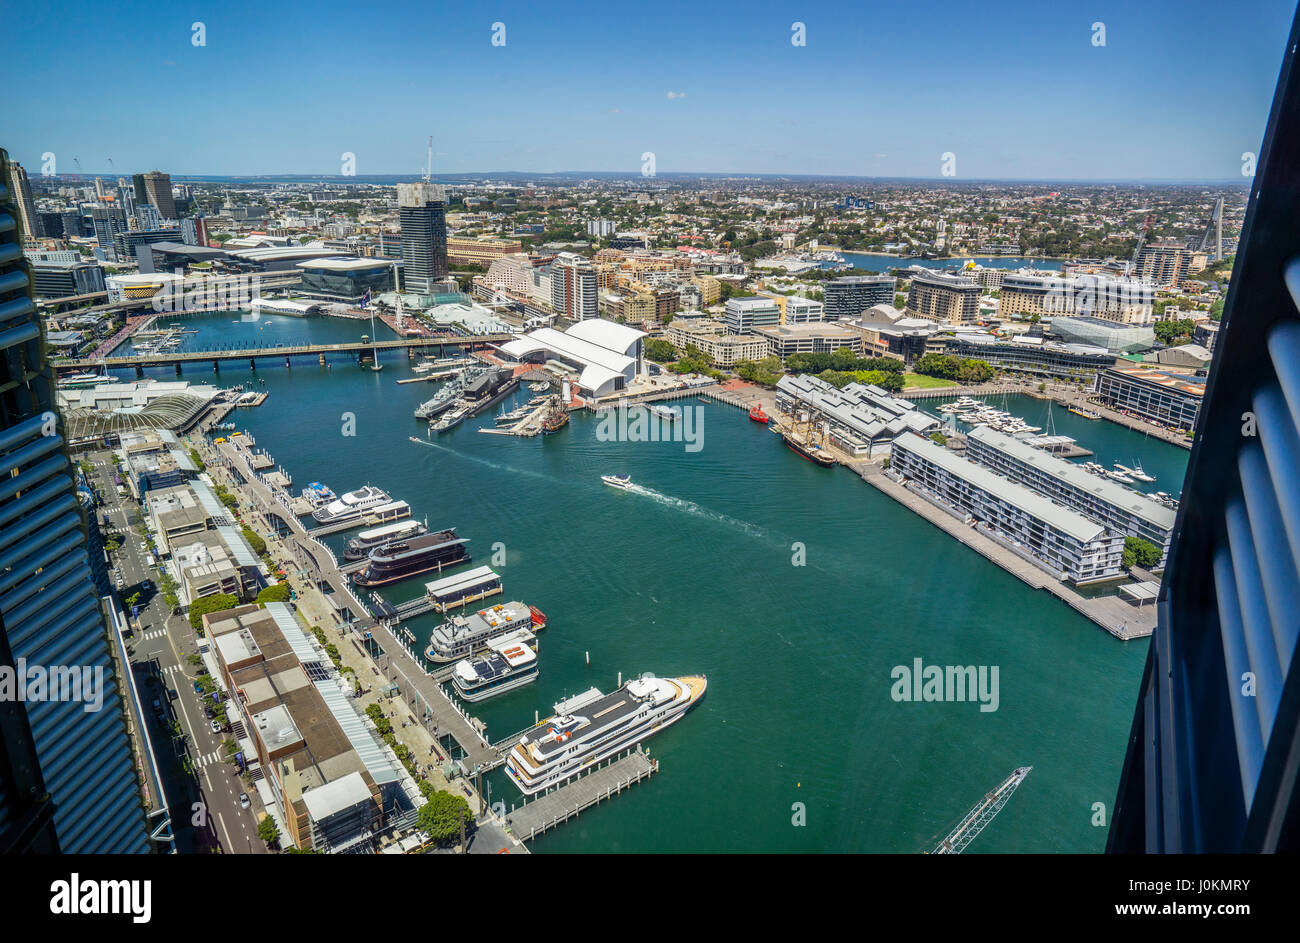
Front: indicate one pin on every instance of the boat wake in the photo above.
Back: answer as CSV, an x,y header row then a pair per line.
x,y
690,507
486,461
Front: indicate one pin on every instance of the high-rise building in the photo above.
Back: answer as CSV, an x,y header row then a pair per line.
x,y
21,189
158,186
1166,264
141,191
422,208
194,232
938,296
573,287
68,777
849,296
109,221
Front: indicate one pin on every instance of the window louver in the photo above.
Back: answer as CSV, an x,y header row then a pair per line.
x,y
1212,759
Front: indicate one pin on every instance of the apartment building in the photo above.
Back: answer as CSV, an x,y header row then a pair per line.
x,y
1059,540
711,337
1124,300
938,296
1121,509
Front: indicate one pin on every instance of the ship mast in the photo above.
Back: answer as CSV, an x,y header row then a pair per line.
x,y
978,817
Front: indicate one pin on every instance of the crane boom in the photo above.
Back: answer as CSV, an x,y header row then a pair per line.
x,y
974,821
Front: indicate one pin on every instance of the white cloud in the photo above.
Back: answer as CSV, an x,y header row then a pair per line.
x,y
674,95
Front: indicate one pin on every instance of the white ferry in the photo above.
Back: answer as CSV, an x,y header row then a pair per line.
x,y
509,663
361,545
461,636
593,726
351,505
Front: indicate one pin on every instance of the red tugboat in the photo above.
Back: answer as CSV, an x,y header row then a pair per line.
x,y
756,413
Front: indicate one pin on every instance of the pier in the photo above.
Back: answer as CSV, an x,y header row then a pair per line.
x,y
545,812
422,693
1121,619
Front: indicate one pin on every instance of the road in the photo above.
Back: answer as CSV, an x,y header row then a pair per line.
x,y
205,806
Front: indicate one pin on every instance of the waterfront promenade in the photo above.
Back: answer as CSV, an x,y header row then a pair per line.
x,y
422,693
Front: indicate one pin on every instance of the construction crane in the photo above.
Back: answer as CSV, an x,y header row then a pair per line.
x,y
974,821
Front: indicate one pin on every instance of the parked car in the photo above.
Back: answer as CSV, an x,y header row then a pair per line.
x,y
157,707
243,800
216,727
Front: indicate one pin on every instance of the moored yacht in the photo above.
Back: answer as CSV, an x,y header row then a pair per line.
x,y
463,635
595,726
351,505
510,662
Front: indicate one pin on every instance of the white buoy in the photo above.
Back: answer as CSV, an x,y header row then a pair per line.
x,y
589,659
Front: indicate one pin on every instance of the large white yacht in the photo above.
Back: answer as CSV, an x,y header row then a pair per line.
x,y
351,505
593,726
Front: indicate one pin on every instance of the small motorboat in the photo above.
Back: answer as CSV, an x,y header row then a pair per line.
x,y
756,413
622,482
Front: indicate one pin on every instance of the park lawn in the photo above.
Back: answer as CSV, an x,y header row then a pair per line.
x,y
919,381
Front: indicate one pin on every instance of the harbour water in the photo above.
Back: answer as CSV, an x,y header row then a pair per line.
x,y
695,572
877,262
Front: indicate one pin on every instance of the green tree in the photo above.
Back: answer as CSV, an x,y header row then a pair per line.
x,y
442,816
1139,552
255,540
277,593
206,604
659,350
267,830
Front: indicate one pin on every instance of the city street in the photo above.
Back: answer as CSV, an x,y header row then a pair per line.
x,y
205,806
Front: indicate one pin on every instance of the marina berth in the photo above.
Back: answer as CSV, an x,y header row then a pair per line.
x,y
463,635
462,588
592,727
388,512
402,559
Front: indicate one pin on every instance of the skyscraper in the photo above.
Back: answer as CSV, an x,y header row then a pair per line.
x,y
67,771
141,192
423,211
573,287
21,189
158,186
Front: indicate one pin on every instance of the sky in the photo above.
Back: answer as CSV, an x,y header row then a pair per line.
x,y
1012,90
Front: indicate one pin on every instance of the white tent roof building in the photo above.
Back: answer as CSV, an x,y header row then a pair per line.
x,y
606,356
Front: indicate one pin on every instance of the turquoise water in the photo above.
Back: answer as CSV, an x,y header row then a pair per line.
x,y
241,330
695,575
883,263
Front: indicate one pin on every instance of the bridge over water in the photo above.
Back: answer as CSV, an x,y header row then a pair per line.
x,y
252,354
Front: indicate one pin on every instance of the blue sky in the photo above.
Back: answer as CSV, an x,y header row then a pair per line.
x,y
1016,90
